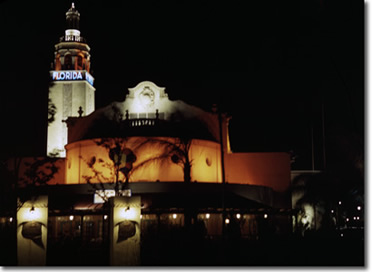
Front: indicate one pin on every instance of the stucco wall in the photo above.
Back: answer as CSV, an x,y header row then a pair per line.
x,y
205,157
265,169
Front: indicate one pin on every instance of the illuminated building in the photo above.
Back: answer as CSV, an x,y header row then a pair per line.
x,y
72,91
182,165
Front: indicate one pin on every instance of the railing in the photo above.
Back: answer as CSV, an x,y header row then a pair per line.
x,y
72,38
144,115
142,122
143,118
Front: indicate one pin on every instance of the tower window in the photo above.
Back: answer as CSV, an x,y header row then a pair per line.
x,y
68,62
80,62
57,63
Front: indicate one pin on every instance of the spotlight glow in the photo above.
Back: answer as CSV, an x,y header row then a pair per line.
x,y
33,214
127,213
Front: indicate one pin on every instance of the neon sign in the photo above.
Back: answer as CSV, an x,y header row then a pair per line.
x,y
72,75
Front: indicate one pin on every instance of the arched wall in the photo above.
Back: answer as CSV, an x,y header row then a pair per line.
x,y
205,157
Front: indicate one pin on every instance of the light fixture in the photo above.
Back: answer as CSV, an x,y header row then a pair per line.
x,y
347,219
129,213
71,217
140,216
174,216
339,203
227,220
332,211
105,217
238,215
359,208
11,219
33,214
265,215
207,215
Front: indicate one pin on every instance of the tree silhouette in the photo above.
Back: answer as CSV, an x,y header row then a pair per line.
x,y
121,161
52,110
38,173
176,149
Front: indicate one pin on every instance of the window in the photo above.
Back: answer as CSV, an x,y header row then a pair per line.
x,y
68,62
80,62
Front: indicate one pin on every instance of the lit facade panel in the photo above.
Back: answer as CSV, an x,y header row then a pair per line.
x,y
204,155
271,169
68,97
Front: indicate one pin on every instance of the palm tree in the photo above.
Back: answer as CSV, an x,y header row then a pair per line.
x,y
319,191
123,160
178,150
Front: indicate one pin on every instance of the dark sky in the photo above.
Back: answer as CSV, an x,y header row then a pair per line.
x,y
269,64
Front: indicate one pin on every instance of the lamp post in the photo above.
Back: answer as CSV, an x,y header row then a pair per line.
x,y
222,168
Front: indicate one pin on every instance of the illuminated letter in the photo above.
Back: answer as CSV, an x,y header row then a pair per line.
x,y
55,75
68,75
79,76
62,75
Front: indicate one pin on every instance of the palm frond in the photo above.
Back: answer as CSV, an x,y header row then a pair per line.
x,y
161,158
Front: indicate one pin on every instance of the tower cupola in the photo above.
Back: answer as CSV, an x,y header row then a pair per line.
x,y
72,51
72,18
72,32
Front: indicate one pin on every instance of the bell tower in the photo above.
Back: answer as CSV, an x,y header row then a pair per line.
x,y
72,91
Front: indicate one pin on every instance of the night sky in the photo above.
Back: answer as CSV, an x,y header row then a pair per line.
x,y
269,64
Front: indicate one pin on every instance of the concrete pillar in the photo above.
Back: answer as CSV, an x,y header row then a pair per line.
x,y
125,230
32,219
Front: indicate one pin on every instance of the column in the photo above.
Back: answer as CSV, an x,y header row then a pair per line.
x,y
125,230
32,219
